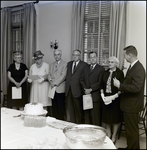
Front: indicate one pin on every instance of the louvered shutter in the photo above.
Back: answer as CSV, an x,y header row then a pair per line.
x,y
96,31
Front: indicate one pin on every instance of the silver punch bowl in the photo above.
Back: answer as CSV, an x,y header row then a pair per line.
x,y
85,136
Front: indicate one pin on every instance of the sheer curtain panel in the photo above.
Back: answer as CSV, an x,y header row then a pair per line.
x,y
117,34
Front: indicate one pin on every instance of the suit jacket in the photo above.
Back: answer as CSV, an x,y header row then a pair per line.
x,y
132,98
93,79
58,74
73,80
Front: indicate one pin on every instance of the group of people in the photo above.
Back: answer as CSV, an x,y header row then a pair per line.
x,y
115,97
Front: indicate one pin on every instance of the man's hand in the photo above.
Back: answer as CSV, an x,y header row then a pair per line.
x,y
52,84
116,82
87,91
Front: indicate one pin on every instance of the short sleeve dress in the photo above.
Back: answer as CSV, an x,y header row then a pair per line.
x,y
17,75
112,114
39,91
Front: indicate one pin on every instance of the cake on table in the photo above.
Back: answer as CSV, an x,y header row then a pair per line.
x,y
33,117
34,108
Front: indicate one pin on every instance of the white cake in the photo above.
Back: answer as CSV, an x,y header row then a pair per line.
x,y
34,108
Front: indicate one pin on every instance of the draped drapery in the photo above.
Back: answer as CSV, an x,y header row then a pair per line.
x,y
29,33
29,40
77,25
6,46
117,33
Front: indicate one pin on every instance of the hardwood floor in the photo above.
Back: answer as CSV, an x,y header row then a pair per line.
x,y
121,142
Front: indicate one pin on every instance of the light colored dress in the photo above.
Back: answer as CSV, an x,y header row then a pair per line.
x,y
39,91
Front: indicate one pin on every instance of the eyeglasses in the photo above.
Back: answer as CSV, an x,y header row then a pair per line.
x,y
57,54
18,57
75,55
111,61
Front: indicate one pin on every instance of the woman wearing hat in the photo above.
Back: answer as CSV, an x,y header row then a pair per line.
x,y
17,75
40,86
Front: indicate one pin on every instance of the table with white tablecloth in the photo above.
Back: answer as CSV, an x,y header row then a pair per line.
x,y
14,135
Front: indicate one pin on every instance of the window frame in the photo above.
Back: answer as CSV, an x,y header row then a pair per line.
x,y
17,25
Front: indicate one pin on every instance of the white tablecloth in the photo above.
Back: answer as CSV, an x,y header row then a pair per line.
x,y
14,135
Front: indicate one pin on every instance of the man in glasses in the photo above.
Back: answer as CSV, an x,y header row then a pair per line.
x,y
73,88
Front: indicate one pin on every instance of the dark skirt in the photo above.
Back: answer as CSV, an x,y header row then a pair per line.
x,y
17,102
112,114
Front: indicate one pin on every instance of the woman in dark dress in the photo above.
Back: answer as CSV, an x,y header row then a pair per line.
x,y
17,75
111,113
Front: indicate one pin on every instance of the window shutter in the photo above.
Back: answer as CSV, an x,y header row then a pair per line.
x,y
91,20
96,31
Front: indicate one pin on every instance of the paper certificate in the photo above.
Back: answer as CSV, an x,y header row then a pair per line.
x,y
34,77
16,93
51,92
87,102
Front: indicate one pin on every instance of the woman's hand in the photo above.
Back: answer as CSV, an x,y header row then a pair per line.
x,y
18,84
108,100
103,97
29,80
40,80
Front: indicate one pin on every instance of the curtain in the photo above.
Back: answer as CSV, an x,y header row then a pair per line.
x,y
29,40
77,25
6,48
117,34
29,33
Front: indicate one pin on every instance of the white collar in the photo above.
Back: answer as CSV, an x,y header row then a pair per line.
x,y
58,62
112,70
93,65
133,63
76,62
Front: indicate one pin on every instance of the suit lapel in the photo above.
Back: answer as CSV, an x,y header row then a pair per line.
x,y
70,67
76,67
131,69
60,63
56,68
93,69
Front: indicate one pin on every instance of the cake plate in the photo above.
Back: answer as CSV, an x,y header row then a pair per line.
x,y
41,114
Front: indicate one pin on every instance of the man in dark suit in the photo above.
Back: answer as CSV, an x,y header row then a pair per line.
x,y
73,88
92,77
132,98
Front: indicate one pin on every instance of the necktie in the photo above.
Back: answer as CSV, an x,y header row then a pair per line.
x,y
108,86
56,65
91,67
74,67
128,69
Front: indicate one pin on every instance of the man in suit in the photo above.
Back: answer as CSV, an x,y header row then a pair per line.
x,y
56,77
92,77
73,90
132,98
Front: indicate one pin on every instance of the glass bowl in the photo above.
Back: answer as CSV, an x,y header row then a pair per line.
x,y
84,136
